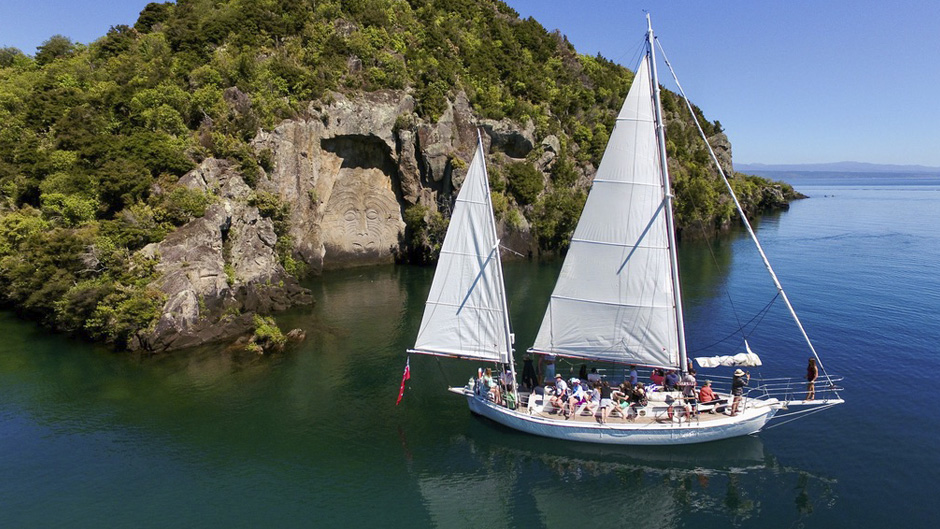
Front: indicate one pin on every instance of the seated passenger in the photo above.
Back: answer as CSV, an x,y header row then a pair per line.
x,y
577,398
620,399
638,399
671,380
706,394
593,398
491,386
559,399
657,377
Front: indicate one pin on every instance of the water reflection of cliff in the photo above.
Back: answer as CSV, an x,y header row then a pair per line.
x,y
522,481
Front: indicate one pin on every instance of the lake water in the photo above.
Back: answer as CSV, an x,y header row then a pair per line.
x,y
312,438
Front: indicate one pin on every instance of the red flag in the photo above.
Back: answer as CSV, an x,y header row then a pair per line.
x,y
404,376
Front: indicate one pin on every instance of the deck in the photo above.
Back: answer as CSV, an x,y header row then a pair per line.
x,y
657,411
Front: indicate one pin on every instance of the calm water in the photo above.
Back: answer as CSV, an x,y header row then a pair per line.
x,y
312,438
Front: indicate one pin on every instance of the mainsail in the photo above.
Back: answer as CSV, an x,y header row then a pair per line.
x,y
615,299
466,312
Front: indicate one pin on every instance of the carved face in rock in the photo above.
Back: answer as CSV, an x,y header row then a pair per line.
x,y
362,219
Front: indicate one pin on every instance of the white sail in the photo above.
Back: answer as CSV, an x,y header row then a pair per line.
x,y
614,299
465,314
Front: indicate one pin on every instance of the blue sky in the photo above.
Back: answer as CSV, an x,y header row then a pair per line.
x,y
792,81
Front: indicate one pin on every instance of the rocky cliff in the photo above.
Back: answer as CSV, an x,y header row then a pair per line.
x,y
219,270
347,172
350,169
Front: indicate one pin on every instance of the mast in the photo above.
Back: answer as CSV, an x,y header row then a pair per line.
x,y
499,273
667,190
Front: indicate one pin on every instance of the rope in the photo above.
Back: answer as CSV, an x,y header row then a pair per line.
x,y
744,220
441,367
800,415
761,313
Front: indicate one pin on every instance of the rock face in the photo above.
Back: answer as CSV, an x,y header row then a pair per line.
x,y
348,171
352,168
218,270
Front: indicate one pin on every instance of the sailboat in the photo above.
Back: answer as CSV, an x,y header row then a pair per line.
x,y
617,299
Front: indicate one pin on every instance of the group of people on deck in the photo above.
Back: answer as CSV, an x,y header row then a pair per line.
x,y
597,397
590,394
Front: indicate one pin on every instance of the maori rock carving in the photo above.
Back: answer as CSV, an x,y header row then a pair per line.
x,y
362,222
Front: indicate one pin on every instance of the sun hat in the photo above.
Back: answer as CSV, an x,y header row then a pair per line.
x,y
557,376
738,373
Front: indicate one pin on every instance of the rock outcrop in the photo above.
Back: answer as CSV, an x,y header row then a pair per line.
x,y
351,168
217,271
348,171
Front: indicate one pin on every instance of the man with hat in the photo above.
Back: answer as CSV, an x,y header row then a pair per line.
x,y
737,388
560,398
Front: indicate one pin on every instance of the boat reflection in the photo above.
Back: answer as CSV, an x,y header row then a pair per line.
x,y
502,479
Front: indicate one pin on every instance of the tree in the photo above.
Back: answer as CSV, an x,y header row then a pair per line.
x,y
56,47
9,56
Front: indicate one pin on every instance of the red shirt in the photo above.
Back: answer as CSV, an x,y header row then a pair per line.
x,y
706,394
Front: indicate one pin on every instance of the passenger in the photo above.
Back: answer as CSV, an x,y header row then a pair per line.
x,y
657,377
671,380
706,395
548,374
593,398
593,377
577,397
634,377
510,397
687,385
560,398
606,403
491,386
620,398
737,389
811,374
529,377
638,399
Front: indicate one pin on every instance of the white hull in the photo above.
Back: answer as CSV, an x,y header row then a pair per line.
x,y
750,421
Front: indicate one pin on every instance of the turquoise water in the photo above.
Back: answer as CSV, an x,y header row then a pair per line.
x,y
312,437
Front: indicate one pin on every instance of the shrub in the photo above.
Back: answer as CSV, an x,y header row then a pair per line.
x,y
267,334
525,182
556,216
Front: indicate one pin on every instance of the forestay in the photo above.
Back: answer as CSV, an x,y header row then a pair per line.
x,y
614,299
465,314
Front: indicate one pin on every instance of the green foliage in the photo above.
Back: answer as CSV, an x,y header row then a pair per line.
x,y
57,47
525,182
94,138
556,216
68,210
425,230
183,204
267,335
124,312
10,56
230,277
563,172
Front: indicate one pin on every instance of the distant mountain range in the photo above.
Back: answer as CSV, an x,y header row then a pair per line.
x,y
843,167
